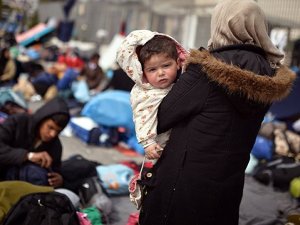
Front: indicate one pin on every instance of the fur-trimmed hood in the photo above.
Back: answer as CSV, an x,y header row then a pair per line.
x,y
256,87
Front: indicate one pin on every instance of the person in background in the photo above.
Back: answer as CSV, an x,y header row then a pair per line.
x,y
119,81
71,58
39,81
93,74
7,68
215,111
26,138
68,66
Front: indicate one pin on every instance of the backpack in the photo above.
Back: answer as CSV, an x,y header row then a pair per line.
x,y
47,208
91,193
75,170
29,172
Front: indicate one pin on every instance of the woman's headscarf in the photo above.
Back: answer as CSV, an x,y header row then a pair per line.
x,y
242,22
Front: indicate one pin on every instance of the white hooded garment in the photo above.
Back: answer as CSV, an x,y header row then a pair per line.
x,y
145,98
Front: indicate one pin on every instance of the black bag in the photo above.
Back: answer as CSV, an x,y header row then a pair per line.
x,y
279,172
284,174
47,208
88,188
75,170
91,193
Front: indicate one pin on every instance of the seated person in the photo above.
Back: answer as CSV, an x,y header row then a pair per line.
x,y
43,80
7,68
81,83
68,67
71,58
93,74
27,139
120,81
38,82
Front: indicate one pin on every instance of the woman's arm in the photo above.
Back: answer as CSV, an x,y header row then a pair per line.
x,y
186,98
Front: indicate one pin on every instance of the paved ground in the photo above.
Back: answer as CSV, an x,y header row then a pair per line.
x,y
72,145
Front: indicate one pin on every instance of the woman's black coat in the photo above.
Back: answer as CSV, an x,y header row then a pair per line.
x,y
215,111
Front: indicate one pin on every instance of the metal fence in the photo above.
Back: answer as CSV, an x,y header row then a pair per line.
x,y
187,21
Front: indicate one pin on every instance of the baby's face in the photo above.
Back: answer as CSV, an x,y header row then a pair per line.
x,y
160,70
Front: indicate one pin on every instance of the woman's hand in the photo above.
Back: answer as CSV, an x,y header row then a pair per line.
x,y
55,179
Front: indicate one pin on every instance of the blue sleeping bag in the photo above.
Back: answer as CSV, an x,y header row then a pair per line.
x,y
112,108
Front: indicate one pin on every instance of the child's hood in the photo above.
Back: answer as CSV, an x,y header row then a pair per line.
x,y
127,57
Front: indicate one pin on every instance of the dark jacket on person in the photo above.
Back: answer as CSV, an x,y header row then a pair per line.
x,y
42,81
18,133
215,111
94,76
120,81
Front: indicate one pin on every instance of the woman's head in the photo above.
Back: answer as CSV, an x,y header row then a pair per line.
x,y
242,22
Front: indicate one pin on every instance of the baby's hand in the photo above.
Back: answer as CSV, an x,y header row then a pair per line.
x,y
153,151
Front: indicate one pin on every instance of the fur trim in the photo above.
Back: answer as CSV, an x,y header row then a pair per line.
x,y
259,88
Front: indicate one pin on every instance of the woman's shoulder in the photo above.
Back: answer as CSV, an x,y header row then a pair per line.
x,y
245,57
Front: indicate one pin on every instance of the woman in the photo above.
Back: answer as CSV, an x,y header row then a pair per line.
x,y
7,67
215,111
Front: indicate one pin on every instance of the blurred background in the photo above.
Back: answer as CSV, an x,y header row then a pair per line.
x,y
49,43
187,21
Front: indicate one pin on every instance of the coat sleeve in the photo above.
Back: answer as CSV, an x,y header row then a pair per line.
x,y
186,98
10,155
